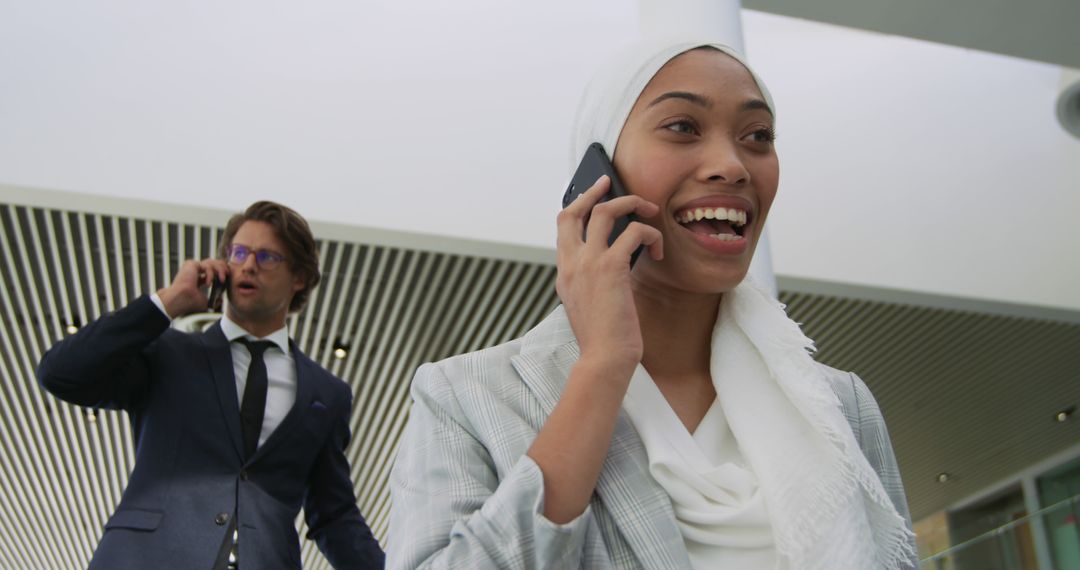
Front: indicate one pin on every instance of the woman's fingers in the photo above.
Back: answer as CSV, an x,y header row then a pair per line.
x,y
604,216
593,279
581,206
636,235
589,217
572,219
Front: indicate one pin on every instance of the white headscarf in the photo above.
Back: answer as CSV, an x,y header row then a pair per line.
x,y
611,94
827,506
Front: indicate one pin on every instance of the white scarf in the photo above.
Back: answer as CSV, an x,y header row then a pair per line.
x,y
717,501
826,505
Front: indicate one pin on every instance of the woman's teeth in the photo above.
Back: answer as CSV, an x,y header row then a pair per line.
x,y
733,216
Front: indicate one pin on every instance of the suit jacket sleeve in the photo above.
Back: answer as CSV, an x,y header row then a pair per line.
x,y
333,519
106,363
453,510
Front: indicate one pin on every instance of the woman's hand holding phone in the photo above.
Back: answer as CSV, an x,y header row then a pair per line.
x,y
594,285
594,279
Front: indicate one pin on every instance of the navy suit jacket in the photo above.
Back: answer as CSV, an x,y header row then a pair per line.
x,y
190,476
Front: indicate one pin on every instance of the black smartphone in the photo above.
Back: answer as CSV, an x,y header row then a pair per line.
x,y
593,165
216,290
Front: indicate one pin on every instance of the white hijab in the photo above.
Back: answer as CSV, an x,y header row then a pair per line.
x,y
611,94
827,506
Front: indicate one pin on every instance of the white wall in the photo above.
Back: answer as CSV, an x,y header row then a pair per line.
x,y
904,164
918,166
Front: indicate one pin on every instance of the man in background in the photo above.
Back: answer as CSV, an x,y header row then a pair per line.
x,y
235,428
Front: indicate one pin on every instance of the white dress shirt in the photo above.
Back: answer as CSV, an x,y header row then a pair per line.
x,y
280,370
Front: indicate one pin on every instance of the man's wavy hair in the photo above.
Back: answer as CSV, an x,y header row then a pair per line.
x,y
293,230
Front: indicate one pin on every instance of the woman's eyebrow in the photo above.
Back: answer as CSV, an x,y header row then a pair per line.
x,y
691,97
754,105
749,105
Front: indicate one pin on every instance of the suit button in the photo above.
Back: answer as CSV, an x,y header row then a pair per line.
x,y
243,475
221,519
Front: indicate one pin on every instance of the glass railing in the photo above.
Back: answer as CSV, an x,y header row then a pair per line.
x,y
1012,546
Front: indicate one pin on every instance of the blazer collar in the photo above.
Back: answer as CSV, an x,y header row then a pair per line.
x,y
219,355
548,351
638,505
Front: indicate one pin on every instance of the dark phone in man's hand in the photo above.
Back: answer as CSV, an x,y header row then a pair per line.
x,y
216,290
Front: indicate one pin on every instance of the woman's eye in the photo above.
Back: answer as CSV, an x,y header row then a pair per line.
x,y
765,135
685,127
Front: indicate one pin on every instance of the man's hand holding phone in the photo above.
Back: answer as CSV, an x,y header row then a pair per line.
x,y
187,293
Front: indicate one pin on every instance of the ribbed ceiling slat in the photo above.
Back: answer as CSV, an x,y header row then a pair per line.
x,y
308,316
369,484
373,492
359,315
877,327
452,290
471,325
13,515
59,455
839,319
968,393
336,289
24,517
463,312
365,330
118,270
110,243
389,338
345,305
30,447
54,424
110,422
50,326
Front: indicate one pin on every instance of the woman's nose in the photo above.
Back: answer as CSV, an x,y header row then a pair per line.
x,y
722,163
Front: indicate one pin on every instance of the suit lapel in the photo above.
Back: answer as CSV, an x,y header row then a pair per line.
x,y
305,375
638,505
219,357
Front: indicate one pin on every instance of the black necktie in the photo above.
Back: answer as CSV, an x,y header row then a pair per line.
x,y
254,403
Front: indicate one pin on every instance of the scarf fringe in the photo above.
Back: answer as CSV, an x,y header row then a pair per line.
x,y
786,351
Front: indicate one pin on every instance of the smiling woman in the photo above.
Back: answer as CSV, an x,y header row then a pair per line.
x,y
668,414
699,139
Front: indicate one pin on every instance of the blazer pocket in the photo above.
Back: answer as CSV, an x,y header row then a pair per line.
x,y
135,519
315,424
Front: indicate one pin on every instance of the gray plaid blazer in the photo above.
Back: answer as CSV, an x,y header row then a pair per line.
x,y
465,495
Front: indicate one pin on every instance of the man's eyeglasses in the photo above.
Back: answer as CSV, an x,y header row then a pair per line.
x,y
265,259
